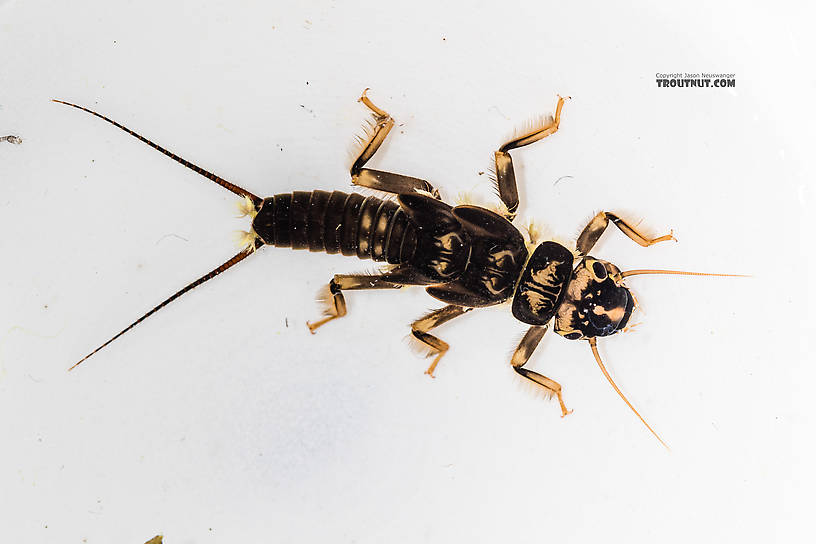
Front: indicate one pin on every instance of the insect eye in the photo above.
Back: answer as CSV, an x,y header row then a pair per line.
x,y
598,270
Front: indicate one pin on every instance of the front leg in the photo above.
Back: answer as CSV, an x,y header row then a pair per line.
x,y
522,354
598,225
505,175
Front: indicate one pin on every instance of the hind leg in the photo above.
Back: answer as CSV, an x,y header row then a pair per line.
x,y
395,279
337,302
377,179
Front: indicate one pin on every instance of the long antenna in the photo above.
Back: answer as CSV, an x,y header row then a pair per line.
x,y
197,169
679,273
594,345
229,264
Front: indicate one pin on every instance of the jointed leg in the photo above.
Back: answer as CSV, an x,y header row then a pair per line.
x,y
336,302
505,175
420,328
383,123
377,179
522,354
598,225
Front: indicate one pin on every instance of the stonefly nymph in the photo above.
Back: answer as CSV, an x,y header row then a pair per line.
x,y
466,256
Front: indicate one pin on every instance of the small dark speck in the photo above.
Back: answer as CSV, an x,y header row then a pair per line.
x,y
481,173
114,41
45,306
306,84
93,160
16,140
444,38
287,322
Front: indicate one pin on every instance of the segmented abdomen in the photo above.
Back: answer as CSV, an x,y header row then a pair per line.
x,y
337,222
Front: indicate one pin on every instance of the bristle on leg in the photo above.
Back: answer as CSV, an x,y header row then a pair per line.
x,y
325,299
362,140
534,389
419,347
536,124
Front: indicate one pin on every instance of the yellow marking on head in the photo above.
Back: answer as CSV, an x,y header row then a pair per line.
x,y
614,314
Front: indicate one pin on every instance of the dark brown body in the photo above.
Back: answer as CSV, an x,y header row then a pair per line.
x,y
468,255
337,222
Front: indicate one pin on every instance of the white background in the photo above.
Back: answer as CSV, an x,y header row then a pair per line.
x,y
214,421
